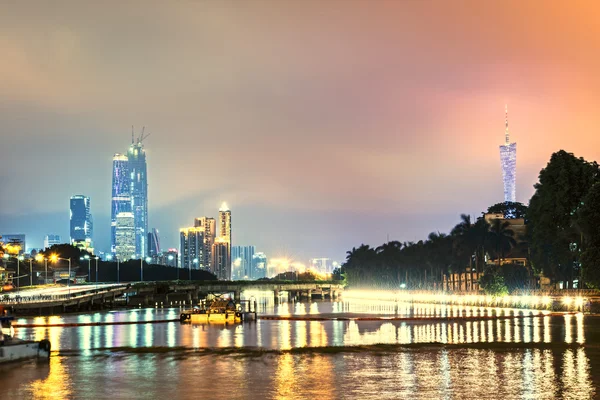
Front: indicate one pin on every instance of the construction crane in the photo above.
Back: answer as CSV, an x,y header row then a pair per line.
x,y
140,138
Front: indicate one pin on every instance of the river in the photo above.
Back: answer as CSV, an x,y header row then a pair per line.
x,y
534,356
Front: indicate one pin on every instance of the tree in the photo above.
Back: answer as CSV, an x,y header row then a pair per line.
x,y
588,221
492,283
501,237
553,210
509,209
66,251
590,267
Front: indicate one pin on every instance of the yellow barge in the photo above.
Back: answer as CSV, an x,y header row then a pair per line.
x,y
220,311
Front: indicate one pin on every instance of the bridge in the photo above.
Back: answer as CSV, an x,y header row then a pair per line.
x,y
55,299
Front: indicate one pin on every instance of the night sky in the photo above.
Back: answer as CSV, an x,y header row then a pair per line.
x,y
323,124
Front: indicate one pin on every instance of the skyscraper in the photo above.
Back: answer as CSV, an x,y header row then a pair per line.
x,y
222,259
508,161
81,220
209,228
225,223
125,236
222,246
136,156
191,242
153,243
121,195
241,257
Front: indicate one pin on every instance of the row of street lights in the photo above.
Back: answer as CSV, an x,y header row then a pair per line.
x,y
89,260
55,258
110,257
39,258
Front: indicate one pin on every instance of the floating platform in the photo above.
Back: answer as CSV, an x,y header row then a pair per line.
x,y
221,311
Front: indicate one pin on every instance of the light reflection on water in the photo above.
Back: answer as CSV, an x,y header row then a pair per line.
x,y
425,372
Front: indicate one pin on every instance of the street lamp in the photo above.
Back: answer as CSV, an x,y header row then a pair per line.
x,y
195,267
96,271
39,258
170,258
19,259
87,257
109,258
148,259
55,258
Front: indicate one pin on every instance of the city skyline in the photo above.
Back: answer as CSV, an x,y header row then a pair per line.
x,y
325,132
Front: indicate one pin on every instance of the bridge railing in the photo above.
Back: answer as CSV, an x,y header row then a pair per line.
x,y
42,298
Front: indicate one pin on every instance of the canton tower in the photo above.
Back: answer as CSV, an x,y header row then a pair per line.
x,y
508,161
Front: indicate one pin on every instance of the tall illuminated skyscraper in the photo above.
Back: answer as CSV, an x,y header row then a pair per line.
x,y
130,193
209,228
225,223
81,220
153,243
222,247
136,155
125,236
121,195
508,161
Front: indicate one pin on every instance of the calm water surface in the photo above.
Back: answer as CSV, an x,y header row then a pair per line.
x,y
535,357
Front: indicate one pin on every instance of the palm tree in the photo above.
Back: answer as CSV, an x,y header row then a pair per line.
x,y
438,254
359,264
389,256
465,243
501,237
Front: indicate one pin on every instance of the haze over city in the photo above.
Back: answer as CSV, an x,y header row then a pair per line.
x,y
340,126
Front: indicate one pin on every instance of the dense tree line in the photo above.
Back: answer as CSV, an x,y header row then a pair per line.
x,y
562,240
423,264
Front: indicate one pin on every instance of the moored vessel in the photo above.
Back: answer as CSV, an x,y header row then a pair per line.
x,y
13,349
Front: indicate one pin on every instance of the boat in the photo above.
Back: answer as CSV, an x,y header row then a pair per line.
x,y
13,349
220,311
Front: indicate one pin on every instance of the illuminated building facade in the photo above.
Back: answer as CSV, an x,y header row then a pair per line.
x,y
222,259
209,229
191,242
242,257
14,244
259,266
225,223
153,244
508,161
121,195
136,156
222,247
125,236
51,240
81,221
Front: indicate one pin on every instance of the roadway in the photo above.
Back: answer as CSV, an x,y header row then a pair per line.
x,y
55,290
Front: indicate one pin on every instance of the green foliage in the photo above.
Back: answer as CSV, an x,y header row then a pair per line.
x,y
66,250
492,283
589,223
553,213
307,276
515,276
501,238
509,209
590,267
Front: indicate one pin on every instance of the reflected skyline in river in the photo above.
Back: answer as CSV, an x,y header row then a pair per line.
x,y
533,356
